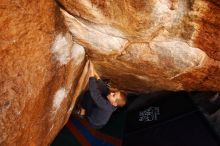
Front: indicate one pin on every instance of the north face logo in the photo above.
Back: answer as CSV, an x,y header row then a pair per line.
x,y
149,114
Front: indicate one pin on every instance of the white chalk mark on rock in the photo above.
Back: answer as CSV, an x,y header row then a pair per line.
x,y
77,53
64,49
60,49
101,38
59,97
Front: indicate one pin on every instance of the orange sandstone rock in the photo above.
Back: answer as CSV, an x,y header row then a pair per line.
x,y
39,71
141,45
149,45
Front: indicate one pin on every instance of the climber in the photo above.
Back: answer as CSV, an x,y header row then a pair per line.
x,y
98,103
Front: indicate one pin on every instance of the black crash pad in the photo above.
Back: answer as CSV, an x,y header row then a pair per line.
x,y
167,119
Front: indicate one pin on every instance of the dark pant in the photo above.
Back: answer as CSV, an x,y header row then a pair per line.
x,y
87,103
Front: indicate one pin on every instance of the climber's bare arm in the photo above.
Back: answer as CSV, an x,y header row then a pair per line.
x,y
96,75
93,73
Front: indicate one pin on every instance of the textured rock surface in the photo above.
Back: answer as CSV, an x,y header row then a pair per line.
x,y
141,45
150,45
39,69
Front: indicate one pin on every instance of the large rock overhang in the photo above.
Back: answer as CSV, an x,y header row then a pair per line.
x,y
140,45
149,45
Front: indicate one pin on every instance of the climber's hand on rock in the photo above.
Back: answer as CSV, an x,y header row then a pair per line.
x,y
92,74
96,75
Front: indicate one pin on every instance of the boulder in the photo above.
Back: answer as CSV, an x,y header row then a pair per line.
x,y
39,72
150,44
140,45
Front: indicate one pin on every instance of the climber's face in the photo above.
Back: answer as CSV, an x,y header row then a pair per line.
x,y
112,97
